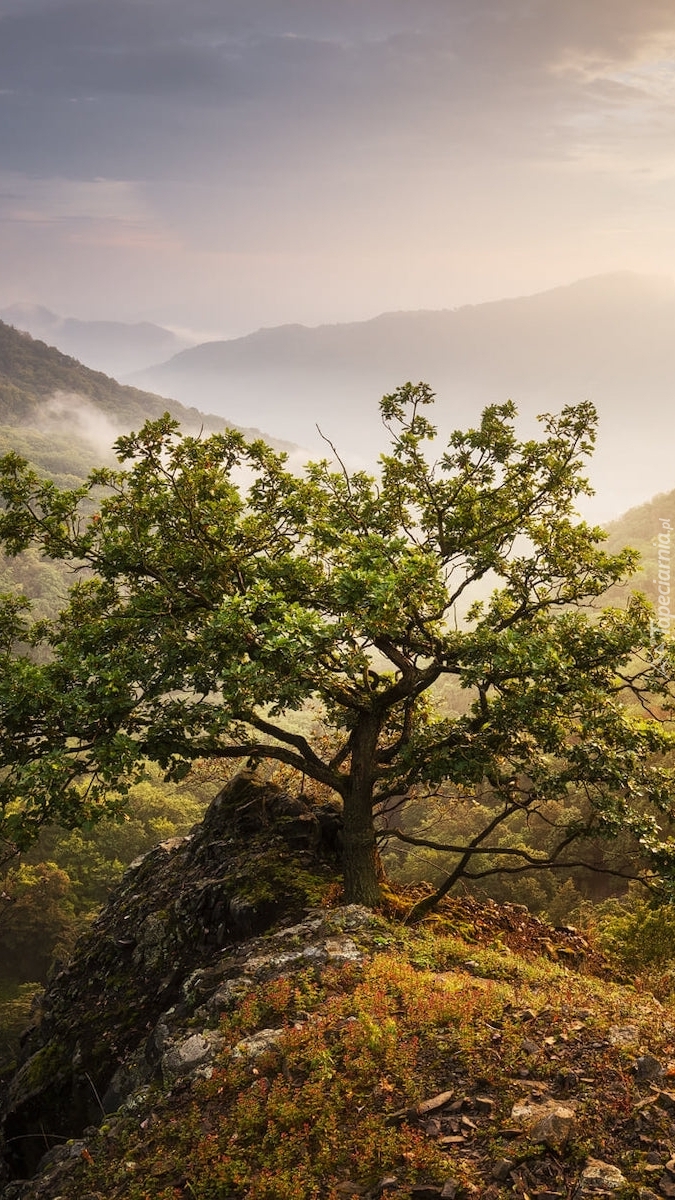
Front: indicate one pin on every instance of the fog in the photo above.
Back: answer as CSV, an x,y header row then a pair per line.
x,y
66,409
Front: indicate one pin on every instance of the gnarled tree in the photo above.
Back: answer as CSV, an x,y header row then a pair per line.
x,y
224,593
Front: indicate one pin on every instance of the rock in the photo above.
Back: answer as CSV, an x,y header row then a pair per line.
x,y
665,1100
60,1154
183,1057
257,1044
158,945
354,918
527,1014
623,1035
547,1121
529,1047
434,1103
228,995
342,950
386,1184
598,1178
502,1169
132,1075
647,1068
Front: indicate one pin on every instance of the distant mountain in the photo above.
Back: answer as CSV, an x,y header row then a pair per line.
x,y
65,417
610,339
111,346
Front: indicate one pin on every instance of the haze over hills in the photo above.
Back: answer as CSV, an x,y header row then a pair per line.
x,y
65,417
115,347
609,339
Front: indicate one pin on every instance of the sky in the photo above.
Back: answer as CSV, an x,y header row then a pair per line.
x,y
220,165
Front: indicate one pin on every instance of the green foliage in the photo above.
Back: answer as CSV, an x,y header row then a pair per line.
x,y
640,935
641,527
95,857
37,915
216,611
48,898
32,374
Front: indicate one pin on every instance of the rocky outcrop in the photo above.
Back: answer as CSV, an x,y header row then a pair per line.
x,y
109,1023
225,1030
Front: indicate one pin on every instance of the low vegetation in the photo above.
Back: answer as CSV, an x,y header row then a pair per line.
x,y
400,1075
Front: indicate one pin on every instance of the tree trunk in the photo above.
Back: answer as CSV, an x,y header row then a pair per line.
x,y
361,866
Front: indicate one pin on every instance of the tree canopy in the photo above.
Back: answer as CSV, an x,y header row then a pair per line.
x,y
220,595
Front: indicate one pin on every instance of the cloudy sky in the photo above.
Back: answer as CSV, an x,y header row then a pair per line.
x,y
226,164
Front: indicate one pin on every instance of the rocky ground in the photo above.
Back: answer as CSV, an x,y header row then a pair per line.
x,y
229,1031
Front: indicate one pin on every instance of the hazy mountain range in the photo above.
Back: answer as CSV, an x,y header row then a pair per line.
x,y
64,417
116,347
610,339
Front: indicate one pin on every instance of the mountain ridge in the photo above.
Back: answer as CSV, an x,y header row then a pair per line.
x,y
651,287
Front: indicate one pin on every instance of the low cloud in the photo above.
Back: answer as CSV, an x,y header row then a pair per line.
x,y
67,409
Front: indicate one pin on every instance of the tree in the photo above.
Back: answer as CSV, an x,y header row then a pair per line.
x,y
209,613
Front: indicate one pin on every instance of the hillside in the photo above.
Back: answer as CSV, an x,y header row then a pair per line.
x,y
608,339
32,374
641,528
228,1030
64,416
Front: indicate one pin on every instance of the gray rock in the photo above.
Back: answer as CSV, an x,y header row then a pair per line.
x,y
623,1035
153,942
257,1043
137,1101
647,1067
182,1058
134,1073
502,1169
598,1178
267,965
160,942
60,1154
230,992
354,917
342,950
